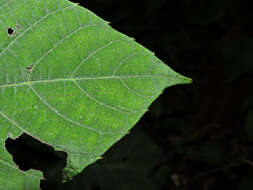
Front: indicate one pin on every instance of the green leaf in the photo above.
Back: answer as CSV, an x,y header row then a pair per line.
x,y
71,81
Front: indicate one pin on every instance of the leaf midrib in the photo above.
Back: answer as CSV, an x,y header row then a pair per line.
x,y
111,77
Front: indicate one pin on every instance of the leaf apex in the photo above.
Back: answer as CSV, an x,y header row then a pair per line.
x,y
185,80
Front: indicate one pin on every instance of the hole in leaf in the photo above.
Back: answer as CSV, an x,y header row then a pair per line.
x,y
29,68
29,153
10,31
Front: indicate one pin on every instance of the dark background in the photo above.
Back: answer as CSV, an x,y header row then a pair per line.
x,y
197,136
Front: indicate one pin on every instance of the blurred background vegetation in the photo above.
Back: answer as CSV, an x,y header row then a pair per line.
x,y
198,136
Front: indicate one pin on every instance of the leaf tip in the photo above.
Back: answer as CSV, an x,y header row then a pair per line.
x,y
183,80
186,80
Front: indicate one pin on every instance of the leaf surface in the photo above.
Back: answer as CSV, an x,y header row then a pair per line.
x,y
71,81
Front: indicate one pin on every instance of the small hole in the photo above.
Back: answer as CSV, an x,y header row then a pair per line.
x,y
10,31
29,68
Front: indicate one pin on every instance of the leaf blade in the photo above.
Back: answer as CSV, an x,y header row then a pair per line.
x,y
86,86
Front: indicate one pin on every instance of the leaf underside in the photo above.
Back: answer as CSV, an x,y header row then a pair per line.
x,y
71,81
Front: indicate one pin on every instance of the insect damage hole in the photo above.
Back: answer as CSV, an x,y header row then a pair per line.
x,y
29,68
10,31
29,153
